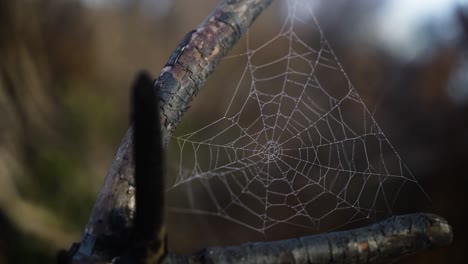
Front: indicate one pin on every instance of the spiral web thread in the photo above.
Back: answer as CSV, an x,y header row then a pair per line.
x,y
300,147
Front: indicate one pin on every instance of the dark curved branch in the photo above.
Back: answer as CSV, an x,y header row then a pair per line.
x,y
384,241
198,54
186,71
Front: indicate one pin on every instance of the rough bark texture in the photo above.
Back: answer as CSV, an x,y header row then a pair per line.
x,y
379,243
197,55
180,80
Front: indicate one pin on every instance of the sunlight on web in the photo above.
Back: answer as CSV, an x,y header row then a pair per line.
x,y
296,144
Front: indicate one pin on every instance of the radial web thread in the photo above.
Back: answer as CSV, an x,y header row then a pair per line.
x,y
296,144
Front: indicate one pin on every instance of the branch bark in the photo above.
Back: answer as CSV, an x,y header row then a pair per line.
x,y
384,241
184,74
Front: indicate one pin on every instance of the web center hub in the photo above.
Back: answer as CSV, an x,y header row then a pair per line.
x,y
271,151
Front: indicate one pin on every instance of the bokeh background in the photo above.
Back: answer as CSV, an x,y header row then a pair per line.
x,y
66,68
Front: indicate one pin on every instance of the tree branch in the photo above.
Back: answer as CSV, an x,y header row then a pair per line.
x,y
197,55
384,241
185,73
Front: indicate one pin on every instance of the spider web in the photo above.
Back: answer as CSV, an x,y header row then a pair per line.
x,y
296,144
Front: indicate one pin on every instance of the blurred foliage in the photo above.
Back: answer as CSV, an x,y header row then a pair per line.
x,y
24,248
65,73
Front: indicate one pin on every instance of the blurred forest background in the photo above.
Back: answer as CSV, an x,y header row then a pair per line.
x,y
66,68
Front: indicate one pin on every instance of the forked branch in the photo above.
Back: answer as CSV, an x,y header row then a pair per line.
x,y
186,71
111,224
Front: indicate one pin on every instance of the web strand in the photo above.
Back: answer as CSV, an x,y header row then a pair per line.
x,y
301,148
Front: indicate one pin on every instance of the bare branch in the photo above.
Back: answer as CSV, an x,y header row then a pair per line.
x,y
198,54
180,80
387,240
